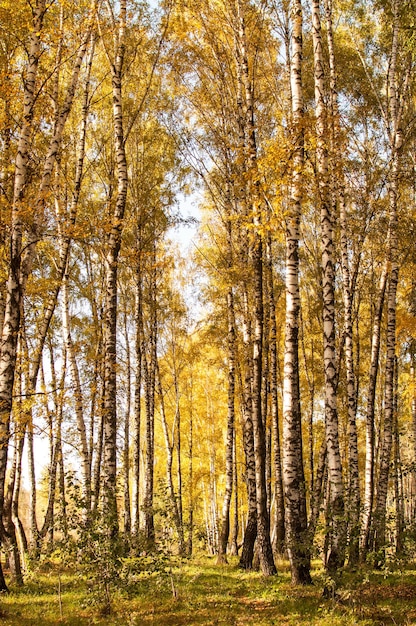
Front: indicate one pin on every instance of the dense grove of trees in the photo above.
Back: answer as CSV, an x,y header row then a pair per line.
x,y
257,397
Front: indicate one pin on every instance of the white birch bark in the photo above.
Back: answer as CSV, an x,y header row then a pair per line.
x,y
11,321
338,194
394,117
135,510
111,272
293,471
256,261
335,558
368,498
21,258
169,447
229,447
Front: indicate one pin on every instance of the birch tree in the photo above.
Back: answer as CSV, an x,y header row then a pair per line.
x,y
293,470
116,61
335,558
395,103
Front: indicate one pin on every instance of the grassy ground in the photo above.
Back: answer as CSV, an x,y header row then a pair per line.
x,y
201,593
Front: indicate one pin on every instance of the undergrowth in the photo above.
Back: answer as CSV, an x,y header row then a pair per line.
x,y
199,592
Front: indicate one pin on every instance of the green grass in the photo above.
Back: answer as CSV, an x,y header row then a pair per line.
x,y
201,593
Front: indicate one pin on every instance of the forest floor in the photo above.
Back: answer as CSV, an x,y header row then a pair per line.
x,y
199,592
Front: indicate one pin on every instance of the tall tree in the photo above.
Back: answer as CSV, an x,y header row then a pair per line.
x,y
335,558
395,102
116,61
293,470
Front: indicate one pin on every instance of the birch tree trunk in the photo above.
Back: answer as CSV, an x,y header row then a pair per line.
x,y
78,400
335,558
370,415
338,187
169,446
21,257
126,443
293,473
137,402
112,254
256,261
250,531
394,110
229,446
12,310
149,375
279,515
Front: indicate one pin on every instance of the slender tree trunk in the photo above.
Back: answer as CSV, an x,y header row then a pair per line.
x,y
413,431
12,309
235,525
169,446
137,402
393,117
319,489
279,515
250,533
179,462
229,460
191,476
335,557
149,365
338,187
78,399
256,261
48,526
370,413
112,254
397,466
293,473
10,541
126,445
